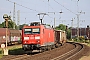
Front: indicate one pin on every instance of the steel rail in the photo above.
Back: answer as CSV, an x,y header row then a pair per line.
x,y
75,53
65,56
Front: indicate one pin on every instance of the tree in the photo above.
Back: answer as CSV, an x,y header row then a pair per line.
x,y
61,27
68,33
10,24
1,26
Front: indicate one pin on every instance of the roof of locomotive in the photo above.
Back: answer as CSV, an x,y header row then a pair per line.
x,y
39,24
35,24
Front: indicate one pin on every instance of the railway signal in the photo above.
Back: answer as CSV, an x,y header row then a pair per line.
x,y
5,16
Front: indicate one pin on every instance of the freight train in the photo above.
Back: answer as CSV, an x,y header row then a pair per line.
x,y
13,36
41,37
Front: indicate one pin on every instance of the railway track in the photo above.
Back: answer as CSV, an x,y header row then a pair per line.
x,y
66,52
69,55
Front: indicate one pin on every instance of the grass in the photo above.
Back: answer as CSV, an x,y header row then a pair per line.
x,y
86,42
17,51
1,55
13,50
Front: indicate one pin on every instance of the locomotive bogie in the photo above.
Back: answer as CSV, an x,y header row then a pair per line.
x,y
31,47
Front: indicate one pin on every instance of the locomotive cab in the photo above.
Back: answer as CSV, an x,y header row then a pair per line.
x,y
31,37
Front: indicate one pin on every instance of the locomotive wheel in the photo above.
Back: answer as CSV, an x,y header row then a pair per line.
x,y
53,46
42,49
49,48
29,52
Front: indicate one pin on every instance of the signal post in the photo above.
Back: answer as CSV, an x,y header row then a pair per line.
x,y
5,16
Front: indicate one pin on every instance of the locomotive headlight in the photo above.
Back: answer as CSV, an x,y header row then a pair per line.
x,y
26,38
37,37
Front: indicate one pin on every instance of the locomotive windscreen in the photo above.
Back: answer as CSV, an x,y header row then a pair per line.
x,y
32,31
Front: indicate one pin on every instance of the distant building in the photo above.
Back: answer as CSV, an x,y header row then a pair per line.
x,y
85,32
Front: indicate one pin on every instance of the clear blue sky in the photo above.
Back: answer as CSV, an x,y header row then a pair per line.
x,y
30,8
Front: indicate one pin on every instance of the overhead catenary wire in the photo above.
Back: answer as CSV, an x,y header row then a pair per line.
x,y
23,6
26,7
64,7
50,16
48,8
49,5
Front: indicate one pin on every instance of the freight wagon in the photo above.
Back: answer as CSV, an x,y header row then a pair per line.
x,y
41,37
60,37
13,36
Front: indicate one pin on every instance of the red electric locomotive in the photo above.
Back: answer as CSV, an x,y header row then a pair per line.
x,y
36,36
41,37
